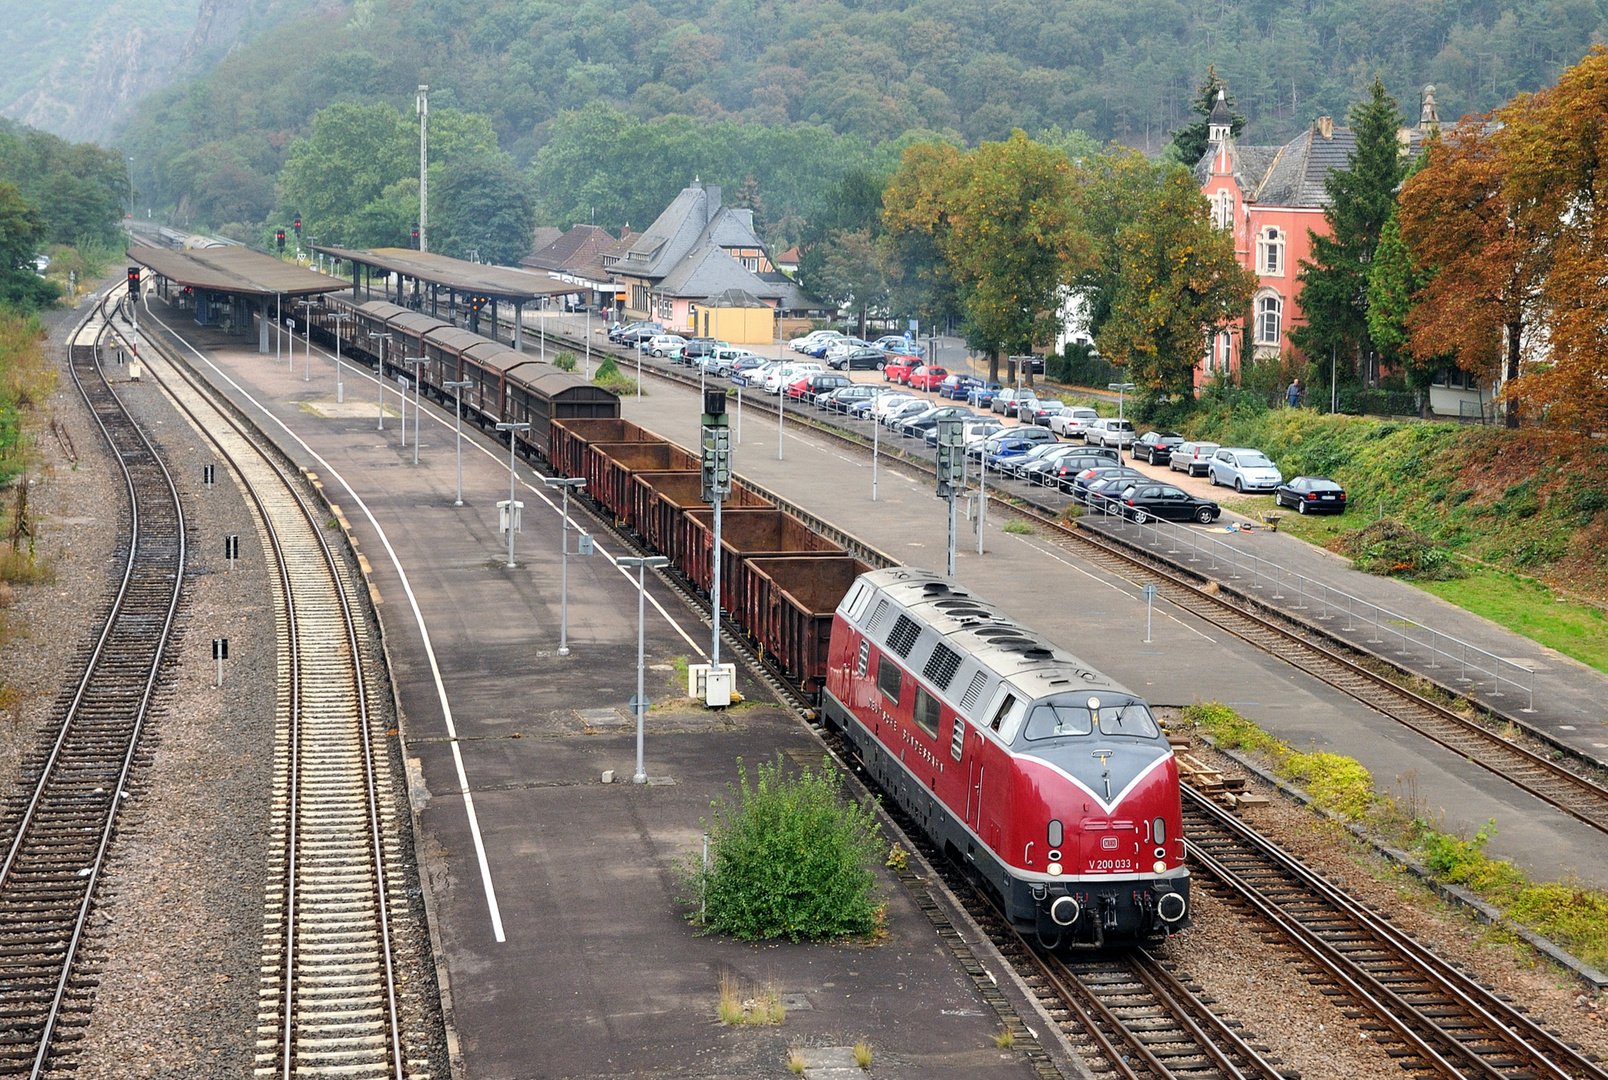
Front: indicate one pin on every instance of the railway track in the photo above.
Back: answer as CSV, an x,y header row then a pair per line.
x,y
58,831
329,1001
1388,691
1430,1016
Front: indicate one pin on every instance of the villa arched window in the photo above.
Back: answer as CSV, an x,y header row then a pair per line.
x,y
1269,319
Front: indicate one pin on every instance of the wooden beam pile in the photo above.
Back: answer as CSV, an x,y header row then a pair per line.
x,y
1230,791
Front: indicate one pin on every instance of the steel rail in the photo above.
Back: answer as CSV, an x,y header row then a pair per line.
x,y
97,676
1428,1038
287,1054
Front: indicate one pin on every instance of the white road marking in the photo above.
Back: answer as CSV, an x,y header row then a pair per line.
x,y
418,618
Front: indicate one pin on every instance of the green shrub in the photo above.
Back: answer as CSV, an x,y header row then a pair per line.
x,y
608,376
1336,783
607,369
1390,549
564,361
789,857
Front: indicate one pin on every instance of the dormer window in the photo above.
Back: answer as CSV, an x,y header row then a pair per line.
x,y
1223,209
1270,252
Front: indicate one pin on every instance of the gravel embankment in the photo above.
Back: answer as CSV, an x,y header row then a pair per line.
x,y
1259,984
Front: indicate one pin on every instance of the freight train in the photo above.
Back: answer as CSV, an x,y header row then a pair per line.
x,y
1050,780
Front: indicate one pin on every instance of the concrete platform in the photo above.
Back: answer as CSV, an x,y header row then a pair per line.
x,y
1102,619
566,946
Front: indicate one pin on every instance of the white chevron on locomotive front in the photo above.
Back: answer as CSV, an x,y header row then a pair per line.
x,y
1049,778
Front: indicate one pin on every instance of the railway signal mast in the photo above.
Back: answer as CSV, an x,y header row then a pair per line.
x,y
951,466
716,484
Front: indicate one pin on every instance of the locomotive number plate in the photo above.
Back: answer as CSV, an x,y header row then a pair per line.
x,y
1113,866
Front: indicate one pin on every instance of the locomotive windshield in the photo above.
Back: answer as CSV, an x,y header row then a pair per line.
x,y
1069,715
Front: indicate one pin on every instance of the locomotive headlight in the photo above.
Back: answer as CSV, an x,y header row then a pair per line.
x,y
1054,869
1160,867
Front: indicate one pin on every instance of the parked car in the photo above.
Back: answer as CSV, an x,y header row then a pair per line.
x,y
1110,432
785,374
814,338
981,396
894,418
1244,469
895,343
1079,485
1156,446
926,377
842,347
1045,468
898,369
886,402
1072,420
918,426
978,431
839,400
1003,449
821,346
661,344
1311,495
1033,435
642,334
866,359
814,385
746,365
1032,457
1191,457
1040,413
1007,401
693,350
1065,471
1142,501
956,387
617,332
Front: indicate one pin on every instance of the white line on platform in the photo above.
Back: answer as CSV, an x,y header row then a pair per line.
x,y
418,618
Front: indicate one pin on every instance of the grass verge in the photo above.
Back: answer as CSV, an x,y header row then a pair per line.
x,y
1529,607
1570,914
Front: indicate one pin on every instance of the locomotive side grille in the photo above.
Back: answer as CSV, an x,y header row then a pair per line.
x,y
876,617
865,658
941,666
968,700
902,638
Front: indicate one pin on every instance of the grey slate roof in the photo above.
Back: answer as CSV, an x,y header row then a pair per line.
x,y
572,249
708,270
693,219
1292,174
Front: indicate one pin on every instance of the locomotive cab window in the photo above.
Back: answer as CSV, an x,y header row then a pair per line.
x,y
1007,717
1130,718
1058,717
888,676
927,712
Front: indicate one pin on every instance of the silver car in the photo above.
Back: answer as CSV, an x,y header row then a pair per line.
x,y
1243,469
1073,420
1191,457
1110,432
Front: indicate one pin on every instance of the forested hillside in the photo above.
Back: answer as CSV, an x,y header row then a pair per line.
x,y
864,69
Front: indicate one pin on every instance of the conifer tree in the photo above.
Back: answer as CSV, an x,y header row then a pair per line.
x,y
1334,284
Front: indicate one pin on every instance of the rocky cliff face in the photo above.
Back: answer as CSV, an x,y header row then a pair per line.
x,y
106,61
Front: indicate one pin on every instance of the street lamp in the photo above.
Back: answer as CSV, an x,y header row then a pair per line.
x,y
382,338
417,363
1121,388
457,387
307,317
567,483
510,518
340,387
640,702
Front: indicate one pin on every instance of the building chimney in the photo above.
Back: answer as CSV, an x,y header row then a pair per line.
x,y
1324,125
711,201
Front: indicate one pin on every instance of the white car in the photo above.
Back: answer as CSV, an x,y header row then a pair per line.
x,y
662,344
1110,432
1243,468
786,373
888,402
1072,421
814,337
975,431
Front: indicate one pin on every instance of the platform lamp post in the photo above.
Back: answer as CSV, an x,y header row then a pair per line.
x,y
457,409
568,484
307,317
639,703
340,387
1121,388
417,364
509,518
382,338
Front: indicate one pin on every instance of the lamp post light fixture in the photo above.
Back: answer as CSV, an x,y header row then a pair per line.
x,y
1121,388
568,484
511,517
382,338
417,363
340,387
641,565
457,408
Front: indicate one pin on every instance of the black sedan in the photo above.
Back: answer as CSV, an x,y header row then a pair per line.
x,y
1081,484
1156,447
1311,495
1142,502
859,360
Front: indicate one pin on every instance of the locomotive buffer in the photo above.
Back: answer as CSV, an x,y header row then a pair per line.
x,y
951,462
716,485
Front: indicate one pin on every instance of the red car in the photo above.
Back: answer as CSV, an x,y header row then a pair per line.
x,y
795,389
927,377
898,368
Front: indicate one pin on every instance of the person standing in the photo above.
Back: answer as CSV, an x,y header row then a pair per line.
x,y
1293,394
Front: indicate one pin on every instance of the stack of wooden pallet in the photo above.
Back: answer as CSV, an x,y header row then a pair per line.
x,y
1230,791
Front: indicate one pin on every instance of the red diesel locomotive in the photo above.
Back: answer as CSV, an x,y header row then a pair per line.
x,y
1054,782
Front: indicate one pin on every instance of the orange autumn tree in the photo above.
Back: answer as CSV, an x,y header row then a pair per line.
x,y
1555,143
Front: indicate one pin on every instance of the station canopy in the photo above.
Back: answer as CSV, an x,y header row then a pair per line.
x,y
470,279
235,270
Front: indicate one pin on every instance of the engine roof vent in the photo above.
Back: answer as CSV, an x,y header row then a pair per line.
x,y
902,638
